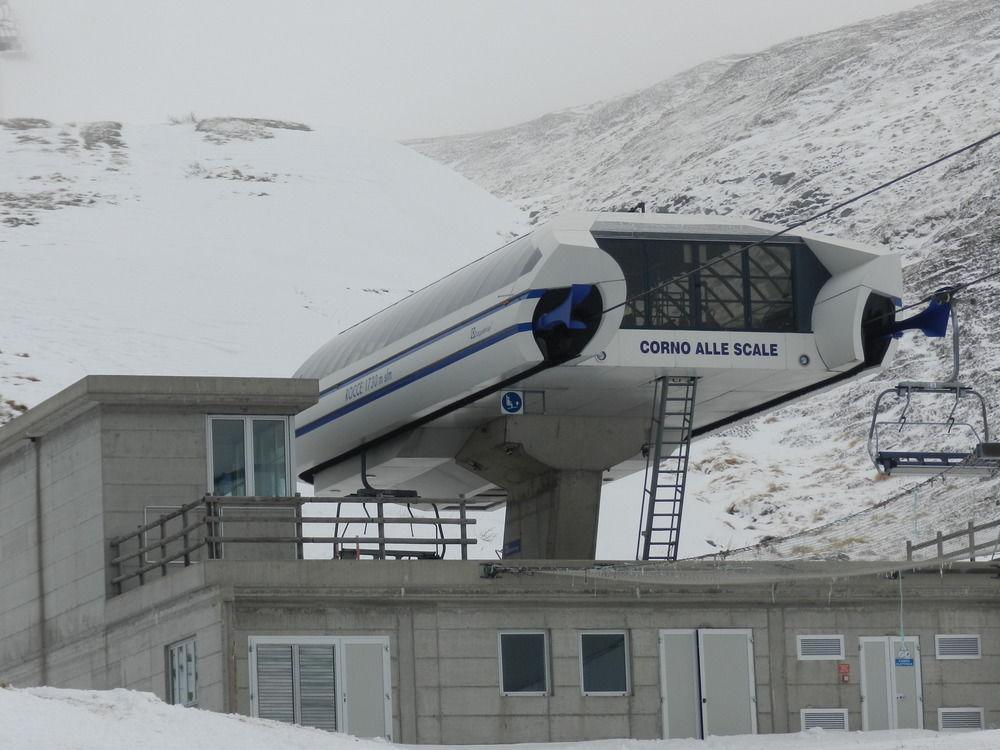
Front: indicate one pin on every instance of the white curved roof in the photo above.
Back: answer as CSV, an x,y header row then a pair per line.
x,y
479,278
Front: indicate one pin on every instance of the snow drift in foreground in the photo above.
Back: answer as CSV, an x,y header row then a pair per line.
x,y
51,719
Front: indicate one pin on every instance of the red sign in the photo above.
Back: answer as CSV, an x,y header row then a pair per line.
x,y
843,668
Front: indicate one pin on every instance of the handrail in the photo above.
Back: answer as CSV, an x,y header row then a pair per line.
x,y
211,519
148,567
335,540
331,520
153,524
159,543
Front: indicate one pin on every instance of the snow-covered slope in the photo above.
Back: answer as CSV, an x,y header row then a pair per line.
x,y
224,246
50,719
777,136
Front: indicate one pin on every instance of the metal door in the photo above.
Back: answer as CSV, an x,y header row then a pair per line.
x,y
366,688
891,690
680,697
728,687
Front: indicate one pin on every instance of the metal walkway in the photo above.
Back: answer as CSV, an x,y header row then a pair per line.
x,y
666,469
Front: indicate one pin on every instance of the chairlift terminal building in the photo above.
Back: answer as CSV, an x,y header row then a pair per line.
x,y
580,318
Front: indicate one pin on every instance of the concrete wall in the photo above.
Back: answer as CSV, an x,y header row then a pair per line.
x,y
68,544
149,458
946,683
443,623
446,673
142,624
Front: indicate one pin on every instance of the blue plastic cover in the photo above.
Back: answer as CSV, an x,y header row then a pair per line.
x,y
933,321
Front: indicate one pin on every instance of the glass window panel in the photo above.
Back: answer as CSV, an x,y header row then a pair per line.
x,y
722,299
670,305
270,465
770,278
603,656
629,256
190,672
522,663
174,682
228,457
182,661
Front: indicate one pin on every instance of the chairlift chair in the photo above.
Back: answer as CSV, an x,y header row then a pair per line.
x,y
980,456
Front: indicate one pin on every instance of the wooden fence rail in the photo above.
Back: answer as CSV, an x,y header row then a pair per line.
x,y
202,524
969,551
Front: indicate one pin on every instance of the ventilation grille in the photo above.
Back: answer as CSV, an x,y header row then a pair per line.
x,y
957,646
960,719
829,719
821,646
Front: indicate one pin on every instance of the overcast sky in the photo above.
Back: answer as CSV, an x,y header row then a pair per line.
x,y
395,68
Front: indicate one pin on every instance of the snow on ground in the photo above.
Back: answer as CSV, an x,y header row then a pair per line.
x,y
52,719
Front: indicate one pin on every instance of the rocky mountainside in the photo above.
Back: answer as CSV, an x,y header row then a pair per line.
x,y
776,136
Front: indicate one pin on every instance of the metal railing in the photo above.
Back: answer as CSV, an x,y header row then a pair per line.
x,y
967,552
183,532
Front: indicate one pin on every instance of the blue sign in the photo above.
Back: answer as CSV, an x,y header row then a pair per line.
x,y
511,402
902,662
512,547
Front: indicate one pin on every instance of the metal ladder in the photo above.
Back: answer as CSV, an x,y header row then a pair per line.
x,y
666,468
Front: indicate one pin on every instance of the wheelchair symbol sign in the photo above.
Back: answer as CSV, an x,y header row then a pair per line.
x,y
511,402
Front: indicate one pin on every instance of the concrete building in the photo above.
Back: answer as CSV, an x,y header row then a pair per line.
x,y
430,651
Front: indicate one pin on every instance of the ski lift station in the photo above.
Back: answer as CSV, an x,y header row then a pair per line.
x,y
153,537
533,375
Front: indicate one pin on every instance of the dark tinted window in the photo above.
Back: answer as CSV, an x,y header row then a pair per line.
x,y
770,277
646,266
694,285
523,663
603,661
722,298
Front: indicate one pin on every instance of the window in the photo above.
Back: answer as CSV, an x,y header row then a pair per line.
x,y
716,286
182,673
722,296
770,280
604,663
957,646
260,443
303,680
524,663
820,647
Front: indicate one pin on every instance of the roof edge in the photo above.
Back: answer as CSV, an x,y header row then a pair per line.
x,y
276,395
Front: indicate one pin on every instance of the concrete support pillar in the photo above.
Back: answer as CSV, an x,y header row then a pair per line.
x,y
552,469
554,516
